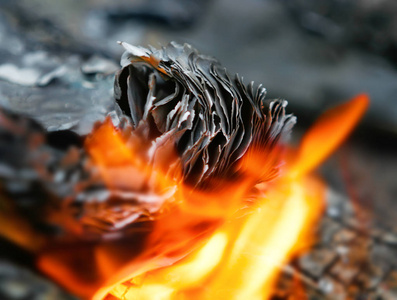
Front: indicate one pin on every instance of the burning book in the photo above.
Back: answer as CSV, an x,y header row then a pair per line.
x,y
188,191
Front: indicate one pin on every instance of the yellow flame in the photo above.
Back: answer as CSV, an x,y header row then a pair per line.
x,y
242,268
178,277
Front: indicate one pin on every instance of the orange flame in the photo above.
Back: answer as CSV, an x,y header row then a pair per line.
x,y
227,244
328,133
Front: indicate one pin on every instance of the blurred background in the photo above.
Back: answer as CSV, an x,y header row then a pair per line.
x,y
58,58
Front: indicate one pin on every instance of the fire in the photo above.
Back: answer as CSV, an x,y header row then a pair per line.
x,y
224,243
241,260
216,250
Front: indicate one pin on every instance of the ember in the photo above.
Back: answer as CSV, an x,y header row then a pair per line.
x,y
194,194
